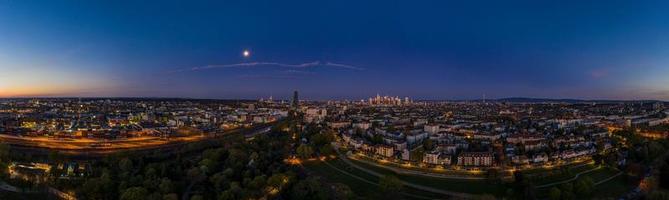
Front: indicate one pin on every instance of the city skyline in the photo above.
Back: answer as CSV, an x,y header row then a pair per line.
x,y
335,50
344,99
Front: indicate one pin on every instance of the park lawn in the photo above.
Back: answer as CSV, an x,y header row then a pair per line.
x,y
360,188
346,167
338,163
610,189
613,188
456,185
573,167
559,176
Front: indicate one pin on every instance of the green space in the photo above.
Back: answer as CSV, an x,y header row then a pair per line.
x,y
362,189
610,189
602,174
613,188
491,187
455,185
574,167
557,174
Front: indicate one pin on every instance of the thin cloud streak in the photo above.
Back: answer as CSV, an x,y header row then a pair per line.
x,y
343,66
258,64
267,77
292,71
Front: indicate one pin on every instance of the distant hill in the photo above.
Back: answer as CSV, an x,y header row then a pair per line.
x,y
539,100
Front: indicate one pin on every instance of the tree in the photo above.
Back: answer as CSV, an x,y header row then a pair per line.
x,y
196,197
342,191
194,174
277,180
377,139
4,152
322,139
171,196
429,145
135,193
226,195
664,175
4,159
554,193
522,186
655,149
219,181
233,192
567,191
584,187
326,150
305,151
258,182
416,155
309,188
658,195
125,165
92,189
166,186
390,186
485,197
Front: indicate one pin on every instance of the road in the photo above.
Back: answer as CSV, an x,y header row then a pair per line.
x,y
88,146
94,144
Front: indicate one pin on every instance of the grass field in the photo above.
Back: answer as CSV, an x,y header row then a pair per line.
x,y
456,185
557,175
602,174
370,191
538,170
362,189
613,188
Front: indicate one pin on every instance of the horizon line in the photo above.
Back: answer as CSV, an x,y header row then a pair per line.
x,y
334,99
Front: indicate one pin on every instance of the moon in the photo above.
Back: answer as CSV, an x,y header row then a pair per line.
x,y
246,53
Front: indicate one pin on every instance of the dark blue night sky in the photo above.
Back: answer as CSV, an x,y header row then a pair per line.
x,y
335,49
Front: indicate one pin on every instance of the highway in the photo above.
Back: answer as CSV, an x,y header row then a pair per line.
x,y
89,146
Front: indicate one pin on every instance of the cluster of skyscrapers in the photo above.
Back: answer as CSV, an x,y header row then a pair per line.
x,y
388,100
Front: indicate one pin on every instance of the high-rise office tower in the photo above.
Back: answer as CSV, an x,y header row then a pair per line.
x,y
296,101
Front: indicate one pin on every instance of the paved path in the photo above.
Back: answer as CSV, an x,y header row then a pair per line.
x,y
609,178
413,185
